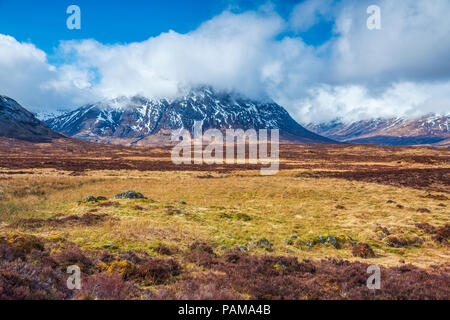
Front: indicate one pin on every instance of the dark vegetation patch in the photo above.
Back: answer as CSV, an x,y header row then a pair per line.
x,y
440,234
237,275
106,286
385,231
363,250
434,179
35,268
426,227
17,155
157,271
171,210
304,175
401,240
201,254
423,210
87,219
165,250
26,272
43,188
207,286
75,256
440,197
243,216
25,242
201,246
20,280
206,176
237,216
109,204
141,267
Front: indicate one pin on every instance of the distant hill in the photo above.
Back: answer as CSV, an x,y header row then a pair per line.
x,y
18,123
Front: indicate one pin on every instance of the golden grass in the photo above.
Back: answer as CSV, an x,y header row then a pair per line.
x,y
228,210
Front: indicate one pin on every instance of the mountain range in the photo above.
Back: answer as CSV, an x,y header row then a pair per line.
x,y
143,121
431,129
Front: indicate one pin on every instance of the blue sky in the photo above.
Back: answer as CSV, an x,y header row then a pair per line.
x,y
316,58
43,22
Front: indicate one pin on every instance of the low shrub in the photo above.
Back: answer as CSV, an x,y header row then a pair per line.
x,y
74,256
201,246
162,249
271,277
363,250
442,234
203,287
426,227
26,242
107,286
109,204
21,280
86,219
157,271
11,253
398,241
201,258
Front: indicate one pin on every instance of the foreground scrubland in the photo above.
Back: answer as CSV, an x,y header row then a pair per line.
x,y
309,232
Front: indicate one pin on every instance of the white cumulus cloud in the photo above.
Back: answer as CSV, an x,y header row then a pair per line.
x,y
402,69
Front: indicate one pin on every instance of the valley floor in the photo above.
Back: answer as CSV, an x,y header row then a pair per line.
x,y
309,232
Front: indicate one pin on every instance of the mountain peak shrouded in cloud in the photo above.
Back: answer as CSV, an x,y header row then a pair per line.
x,y
141,121
402,69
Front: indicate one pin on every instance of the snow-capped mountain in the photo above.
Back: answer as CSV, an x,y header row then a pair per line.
x,y
18,123
140,120
44,116
428,129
